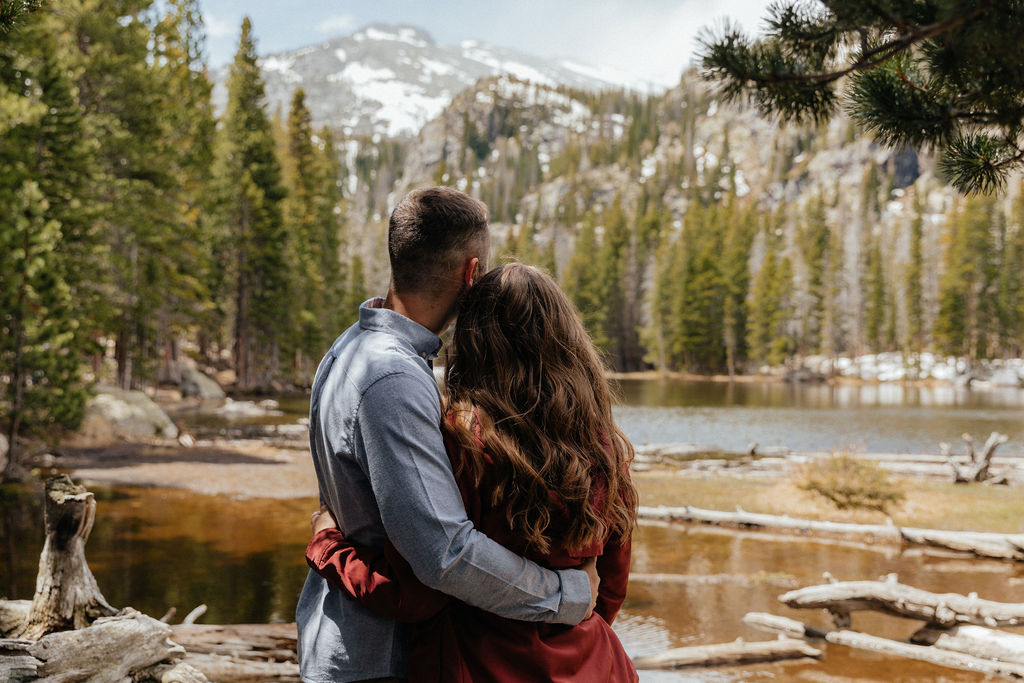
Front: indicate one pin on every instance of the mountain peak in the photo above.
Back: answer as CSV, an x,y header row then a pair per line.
x,y
392,79
395,33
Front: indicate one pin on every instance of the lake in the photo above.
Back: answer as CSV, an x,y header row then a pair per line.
x,y
156,548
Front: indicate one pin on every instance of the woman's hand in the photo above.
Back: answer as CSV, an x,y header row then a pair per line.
x,y
322,519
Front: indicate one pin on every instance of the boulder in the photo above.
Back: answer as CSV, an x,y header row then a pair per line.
x,y
1005,377
129,413
195,383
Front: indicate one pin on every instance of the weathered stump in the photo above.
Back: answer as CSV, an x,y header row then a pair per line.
x,y
67,596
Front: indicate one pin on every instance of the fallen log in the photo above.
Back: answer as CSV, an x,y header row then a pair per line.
x,y
67,596
973,640
226,669
722,654
864,641
943,609
109,650
980,544
253,641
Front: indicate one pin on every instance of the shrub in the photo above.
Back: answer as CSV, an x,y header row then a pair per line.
x,y
850,483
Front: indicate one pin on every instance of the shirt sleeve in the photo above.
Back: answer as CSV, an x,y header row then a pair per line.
x,y
378,579
398,432
613,568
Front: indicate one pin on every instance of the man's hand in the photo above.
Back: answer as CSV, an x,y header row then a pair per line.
x,y
590,567
322,519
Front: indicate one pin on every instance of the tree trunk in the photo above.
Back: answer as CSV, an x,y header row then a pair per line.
x,y
944,609
737,652
863,641
67,596
981,544
108,651
974,640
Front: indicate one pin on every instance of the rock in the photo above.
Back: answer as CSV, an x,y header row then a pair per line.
x,y
129,413
244,409
195,383
1005,377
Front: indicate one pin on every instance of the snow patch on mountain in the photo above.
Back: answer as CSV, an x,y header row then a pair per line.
x,y
391,80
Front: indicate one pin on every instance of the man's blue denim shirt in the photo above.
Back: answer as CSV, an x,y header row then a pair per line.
x,y
374,430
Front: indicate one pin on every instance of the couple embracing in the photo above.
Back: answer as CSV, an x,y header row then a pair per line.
x,y
478,535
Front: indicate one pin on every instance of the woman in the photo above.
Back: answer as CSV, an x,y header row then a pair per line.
x,y
542,469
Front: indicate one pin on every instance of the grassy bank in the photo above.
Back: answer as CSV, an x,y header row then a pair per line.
x,y
928,504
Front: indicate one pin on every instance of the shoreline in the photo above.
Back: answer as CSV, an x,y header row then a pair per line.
x,y
837,380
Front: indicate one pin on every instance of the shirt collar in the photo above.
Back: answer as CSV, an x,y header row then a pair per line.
x,y
373,316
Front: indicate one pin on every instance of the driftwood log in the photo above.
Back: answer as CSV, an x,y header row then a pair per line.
x,y
864,641
721,654
66,596
891,597
973,640
977,467
109,650
241,651
980,544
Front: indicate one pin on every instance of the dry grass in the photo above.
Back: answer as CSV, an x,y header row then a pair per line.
x,y
928,504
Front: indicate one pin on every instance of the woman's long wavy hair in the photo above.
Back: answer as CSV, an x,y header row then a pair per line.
x,y
525,385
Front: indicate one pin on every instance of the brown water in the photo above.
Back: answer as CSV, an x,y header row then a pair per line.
x,y
154,549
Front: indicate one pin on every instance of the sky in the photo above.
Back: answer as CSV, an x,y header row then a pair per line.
x,y
649,39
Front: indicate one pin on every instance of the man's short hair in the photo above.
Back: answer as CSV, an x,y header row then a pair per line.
x,y
430,233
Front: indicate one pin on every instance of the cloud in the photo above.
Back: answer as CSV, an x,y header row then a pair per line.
x,y
217,27
337,24
653,40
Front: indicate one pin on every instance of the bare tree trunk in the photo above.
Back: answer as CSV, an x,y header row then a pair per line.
x,y
863,641
67,596
890,597
974,640
738,652
981,544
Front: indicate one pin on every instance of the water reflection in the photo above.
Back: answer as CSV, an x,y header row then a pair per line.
x,y
884,418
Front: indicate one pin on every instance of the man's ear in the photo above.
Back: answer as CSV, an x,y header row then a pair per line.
x,y
469,275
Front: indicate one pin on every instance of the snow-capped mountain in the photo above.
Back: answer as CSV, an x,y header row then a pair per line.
x,y
393,79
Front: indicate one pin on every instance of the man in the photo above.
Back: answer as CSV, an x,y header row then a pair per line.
x,y
380,461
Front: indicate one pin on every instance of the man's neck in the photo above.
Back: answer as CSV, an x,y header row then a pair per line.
x,y
434,313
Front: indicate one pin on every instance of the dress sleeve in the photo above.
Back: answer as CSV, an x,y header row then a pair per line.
x,y
378,579
613,568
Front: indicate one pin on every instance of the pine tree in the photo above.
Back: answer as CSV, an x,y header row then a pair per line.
x,y
770,307
39,364
813,238
914,276
967,314
876,301
740,231
250,178
921,73
581,281
14,12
